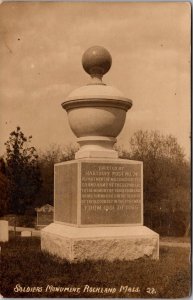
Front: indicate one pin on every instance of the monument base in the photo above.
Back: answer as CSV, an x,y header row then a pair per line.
x,y
94,243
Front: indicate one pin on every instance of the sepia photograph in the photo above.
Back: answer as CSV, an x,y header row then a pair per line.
x,y
95,149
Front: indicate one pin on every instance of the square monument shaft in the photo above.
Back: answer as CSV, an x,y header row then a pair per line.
x,y
97,192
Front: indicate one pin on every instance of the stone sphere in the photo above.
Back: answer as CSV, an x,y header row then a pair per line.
x,y
96,60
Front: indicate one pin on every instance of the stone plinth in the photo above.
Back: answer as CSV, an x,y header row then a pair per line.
x,y
98,212
108,243
97,192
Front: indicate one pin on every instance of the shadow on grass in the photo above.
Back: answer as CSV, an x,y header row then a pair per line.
x,y
29,272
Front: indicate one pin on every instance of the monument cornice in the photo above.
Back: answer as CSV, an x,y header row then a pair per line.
x,y
113,102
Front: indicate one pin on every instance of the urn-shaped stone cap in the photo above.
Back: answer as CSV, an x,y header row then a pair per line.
x,y
96,111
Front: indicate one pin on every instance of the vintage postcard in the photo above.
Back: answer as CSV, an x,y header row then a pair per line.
x,y
95,110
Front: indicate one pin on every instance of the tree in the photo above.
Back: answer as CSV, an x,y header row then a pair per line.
x,y
54,154
4,196
22,170
166,180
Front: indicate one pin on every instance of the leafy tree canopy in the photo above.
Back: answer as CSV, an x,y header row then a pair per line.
x,y
4,197
22,170
54,154
166,176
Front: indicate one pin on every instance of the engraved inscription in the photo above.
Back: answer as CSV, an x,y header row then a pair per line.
x,y
111,193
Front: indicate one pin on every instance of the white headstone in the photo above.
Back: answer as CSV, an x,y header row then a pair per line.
x,y
26,233
4,232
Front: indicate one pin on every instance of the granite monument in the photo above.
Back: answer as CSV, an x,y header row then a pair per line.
x,y
98,198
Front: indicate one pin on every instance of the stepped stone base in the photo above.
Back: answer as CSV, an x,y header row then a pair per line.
x,y
93,243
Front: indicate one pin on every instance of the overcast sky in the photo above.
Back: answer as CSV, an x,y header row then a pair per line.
x,y
41,46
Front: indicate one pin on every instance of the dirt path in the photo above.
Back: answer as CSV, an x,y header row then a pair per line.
x,y
33,231
175,244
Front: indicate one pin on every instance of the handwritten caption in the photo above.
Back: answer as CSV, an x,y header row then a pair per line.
x,y
123,289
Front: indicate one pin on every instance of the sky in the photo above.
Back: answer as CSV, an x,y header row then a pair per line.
x,y
41,47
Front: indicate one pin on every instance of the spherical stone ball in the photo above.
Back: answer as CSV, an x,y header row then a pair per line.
x,y
96,60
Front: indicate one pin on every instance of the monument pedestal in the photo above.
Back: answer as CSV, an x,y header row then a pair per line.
x,y
108,243
98,212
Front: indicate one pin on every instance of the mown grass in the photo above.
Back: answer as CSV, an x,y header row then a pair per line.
x,y
23,263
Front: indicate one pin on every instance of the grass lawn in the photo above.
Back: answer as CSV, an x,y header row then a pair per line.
x,y
27,272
